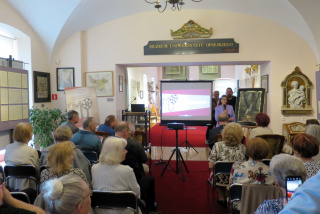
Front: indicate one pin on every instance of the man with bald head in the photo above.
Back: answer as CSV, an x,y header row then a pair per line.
x,y
223,119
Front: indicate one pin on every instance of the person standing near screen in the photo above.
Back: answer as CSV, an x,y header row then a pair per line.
x,y
232,100
224,108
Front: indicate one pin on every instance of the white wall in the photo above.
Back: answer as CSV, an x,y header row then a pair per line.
x,y
121,42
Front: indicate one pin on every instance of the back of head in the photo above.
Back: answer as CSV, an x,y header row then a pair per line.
x,y
63,195
23,132
312,121
86,123
121,127
71,114
284,165
262,119
232,134
257,148
223,118
112,151
109,119
62,133
306,145
314,130
60,157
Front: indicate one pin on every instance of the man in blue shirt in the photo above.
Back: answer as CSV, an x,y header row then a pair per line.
x,y
109,124
86,138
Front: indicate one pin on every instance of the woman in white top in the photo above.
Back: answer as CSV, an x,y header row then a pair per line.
x,y
262,121
109,174
19,153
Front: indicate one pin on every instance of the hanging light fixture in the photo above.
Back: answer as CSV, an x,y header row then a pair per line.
x,y
176,4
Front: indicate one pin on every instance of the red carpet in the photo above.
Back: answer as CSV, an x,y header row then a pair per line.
x,y
196,136
189,197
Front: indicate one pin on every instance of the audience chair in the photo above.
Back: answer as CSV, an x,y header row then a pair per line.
x,y
235,192
275,143
103,135
114,200
266,161
220,168
90,155
140,136
253,195
20,172
21,196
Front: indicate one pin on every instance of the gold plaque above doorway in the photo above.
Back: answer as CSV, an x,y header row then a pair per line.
x,y
191,30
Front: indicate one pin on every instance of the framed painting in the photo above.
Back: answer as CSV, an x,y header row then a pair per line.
x,y
265,82
175,72
209,69
42,90
250,101
120,83
65,78
102,81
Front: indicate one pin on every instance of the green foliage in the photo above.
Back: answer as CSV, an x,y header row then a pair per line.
x,y
44,122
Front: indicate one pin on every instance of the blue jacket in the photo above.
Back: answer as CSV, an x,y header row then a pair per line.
x,y
108,129
87,140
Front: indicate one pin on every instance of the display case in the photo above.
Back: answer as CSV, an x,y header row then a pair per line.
x,y
141,121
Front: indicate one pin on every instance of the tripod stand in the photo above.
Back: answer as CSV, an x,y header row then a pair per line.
x,y
187,142
179,159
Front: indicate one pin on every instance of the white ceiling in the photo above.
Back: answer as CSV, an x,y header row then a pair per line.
x,y
55,20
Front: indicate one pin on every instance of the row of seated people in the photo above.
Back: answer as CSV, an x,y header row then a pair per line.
x,y
253,171
65,157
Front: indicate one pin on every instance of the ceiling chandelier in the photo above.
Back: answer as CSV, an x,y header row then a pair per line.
x,y
176,4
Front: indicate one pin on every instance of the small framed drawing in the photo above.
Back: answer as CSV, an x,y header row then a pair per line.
x,y
42,90
265,82
120,83
65,78
102,81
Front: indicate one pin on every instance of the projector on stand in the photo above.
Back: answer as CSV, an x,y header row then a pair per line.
x,y
175,125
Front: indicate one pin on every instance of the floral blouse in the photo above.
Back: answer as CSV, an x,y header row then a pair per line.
x,y
221,152
46,174
312,167
251,172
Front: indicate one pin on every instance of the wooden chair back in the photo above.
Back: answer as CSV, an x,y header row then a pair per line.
x,y
275,143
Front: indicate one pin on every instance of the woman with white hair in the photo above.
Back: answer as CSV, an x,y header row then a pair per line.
x,y
282,166
67,194
314,130
109,174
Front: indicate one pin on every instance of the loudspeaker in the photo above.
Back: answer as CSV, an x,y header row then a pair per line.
x,y
175,125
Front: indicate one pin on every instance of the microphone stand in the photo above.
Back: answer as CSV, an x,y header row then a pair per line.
x,y
131,103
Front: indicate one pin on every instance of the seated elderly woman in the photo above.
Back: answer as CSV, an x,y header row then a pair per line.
x,y
19,153
62,134
282,166
60,159
314,130
230,149
253,171
67,194
305,147
262,121
109,174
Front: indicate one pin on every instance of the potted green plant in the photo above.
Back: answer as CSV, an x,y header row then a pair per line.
x,y
44,122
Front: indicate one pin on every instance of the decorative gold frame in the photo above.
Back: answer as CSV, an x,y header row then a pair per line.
x,y
303,80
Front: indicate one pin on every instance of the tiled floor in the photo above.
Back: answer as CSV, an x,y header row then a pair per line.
x,y
187,154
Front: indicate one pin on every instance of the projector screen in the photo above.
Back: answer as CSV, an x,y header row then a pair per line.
x,y
188,102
